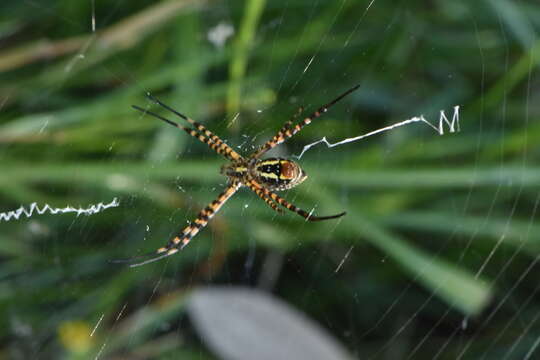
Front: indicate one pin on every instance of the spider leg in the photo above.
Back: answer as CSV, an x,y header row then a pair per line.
x,y
253,185
179,242
280,134
289,122
286,131
200,127
153,257
219,147
267,199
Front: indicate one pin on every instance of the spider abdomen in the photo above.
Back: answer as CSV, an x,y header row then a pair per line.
x,y
278,173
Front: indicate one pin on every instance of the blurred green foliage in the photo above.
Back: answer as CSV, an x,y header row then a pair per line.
x,y
441,231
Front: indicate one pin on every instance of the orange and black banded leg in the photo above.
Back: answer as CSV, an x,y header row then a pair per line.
x,y
220,148
280,136
179,242
200,127
256,188
290,206
291,131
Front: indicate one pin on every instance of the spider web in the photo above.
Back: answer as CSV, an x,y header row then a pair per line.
x,y
34,207
437,254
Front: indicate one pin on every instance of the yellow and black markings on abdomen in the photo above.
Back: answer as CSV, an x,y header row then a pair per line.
x,y
275,171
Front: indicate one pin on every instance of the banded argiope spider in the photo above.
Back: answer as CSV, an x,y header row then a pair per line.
x,y
262,176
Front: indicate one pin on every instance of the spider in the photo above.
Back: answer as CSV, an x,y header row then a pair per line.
x,y
262,176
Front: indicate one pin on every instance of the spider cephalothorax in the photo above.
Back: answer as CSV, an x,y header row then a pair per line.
x,y
274,174
262,176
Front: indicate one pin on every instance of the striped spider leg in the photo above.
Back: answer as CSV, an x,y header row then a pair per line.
x,y
262,176
286,132
267,194
202,133
184,237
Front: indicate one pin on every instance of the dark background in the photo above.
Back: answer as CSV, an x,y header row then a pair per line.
x,y
436,257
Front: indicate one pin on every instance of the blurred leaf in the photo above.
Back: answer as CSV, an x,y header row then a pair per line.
x,y
118,37
242,47
458,287
241,323
513,232
516,20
